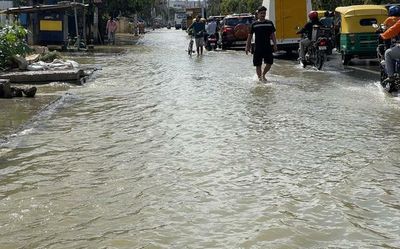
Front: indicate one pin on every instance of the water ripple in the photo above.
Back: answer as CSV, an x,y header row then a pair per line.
x,y
166,151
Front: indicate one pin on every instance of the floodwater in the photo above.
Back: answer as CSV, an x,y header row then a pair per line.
x,y
162,150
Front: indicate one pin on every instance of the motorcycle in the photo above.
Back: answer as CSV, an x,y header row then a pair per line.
x,y
72,43
383,45
315,53
211,43
328,33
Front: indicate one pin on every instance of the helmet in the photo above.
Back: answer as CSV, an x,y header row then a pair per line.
x,y
394,10
313,15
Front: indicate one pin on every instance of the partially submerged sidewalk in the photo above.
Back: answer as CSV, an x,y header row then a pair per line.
x,y
16,114
17,111
51,86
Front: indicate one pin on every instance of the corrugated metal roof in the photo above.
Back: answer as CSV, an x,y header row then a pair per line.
x,y
38,8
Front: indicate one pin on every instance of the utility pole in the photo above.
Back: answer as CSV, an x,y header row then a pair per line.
x,y
76,25
204,8
167,11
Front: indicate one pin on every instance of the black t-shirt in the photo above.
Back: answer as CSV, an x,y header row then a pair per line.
x,y
307,29
263,31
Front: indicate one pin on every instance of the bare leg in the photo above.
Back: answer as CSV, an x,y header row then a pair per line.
x,y
258,70
266,70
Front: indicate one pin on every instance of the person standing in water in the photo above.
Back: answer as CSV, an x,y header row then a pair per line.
x,y
111,28
198,28
264,31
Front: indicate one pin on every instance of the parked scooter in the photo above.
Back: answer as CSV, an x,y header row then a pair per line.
x,y
383,45
211,43
316,52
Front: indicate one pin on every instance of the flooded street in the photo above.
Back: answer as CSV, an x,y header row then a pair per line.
x,y
162,150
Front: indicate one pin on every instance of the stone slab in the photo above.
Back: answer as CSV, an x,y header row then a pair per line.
x,y
37,77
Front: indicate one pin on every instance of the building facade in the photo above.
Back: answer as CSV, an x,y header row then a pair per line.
x,y
3,6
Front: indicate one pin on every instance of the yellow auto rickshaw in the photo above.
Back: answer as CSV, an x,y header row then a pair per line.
x,y
355,36
321,13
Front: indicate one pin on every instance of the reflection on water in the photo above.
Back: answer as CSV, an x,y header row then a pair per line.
x,y
166,151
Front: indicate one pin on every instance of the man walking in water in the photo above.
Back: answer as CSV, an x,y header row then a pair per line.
x,y
264,31
198,28
111,28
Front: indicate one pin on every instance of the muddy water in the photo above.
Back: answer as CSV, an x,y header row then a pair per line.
x,y
166,151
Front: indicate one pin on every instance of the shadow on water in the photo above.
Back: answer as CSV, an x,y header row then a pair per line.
x,y
286,56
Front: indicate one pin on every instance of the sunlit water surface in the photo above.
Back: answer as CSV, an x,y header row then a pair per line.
x,y
162,150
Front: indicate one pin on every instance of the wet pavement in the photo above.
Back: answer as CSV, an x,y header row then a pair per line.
x,y
163,150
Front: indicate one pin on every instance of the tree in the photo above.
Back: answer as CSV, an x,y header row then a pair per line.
x,y
239,6
332,4
127,7
214,7
20,2
12,42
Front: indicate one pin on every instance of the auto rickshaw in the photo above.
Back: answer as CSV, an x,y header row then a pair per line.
x,y
321,13
355,36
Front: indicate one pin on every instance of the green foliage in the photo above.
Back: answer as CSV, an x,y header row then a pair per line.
x,y
12,42
239,6
20,2
127,7
332,4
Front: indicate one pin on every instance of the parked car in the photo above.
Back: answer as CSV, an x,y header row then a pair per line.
x,y
234,30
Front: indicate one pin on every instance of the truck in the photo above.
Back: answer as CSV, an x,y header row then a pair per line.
x,y
180,18
288,16
191,14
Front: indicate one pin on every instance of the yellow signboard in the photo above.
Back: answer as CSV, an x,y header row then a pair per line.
x,y
50,25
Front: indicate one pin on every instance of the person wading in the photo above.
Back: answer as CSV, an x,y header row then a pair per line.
x,y
198,28
111,28
264,31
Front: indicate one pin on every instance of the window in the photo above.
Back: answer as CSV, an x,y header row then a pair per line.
x,y
236,21
232,21
246,20
368,22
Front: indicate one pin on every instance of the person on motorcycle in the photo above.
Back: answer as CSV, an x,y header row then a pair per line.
x,y
392,54
394,16
198,29
307,30
327,20
211,27
264,31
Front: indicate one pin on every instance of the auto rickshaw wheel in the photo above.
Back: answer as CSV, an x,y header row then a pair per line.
x,y
346,59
